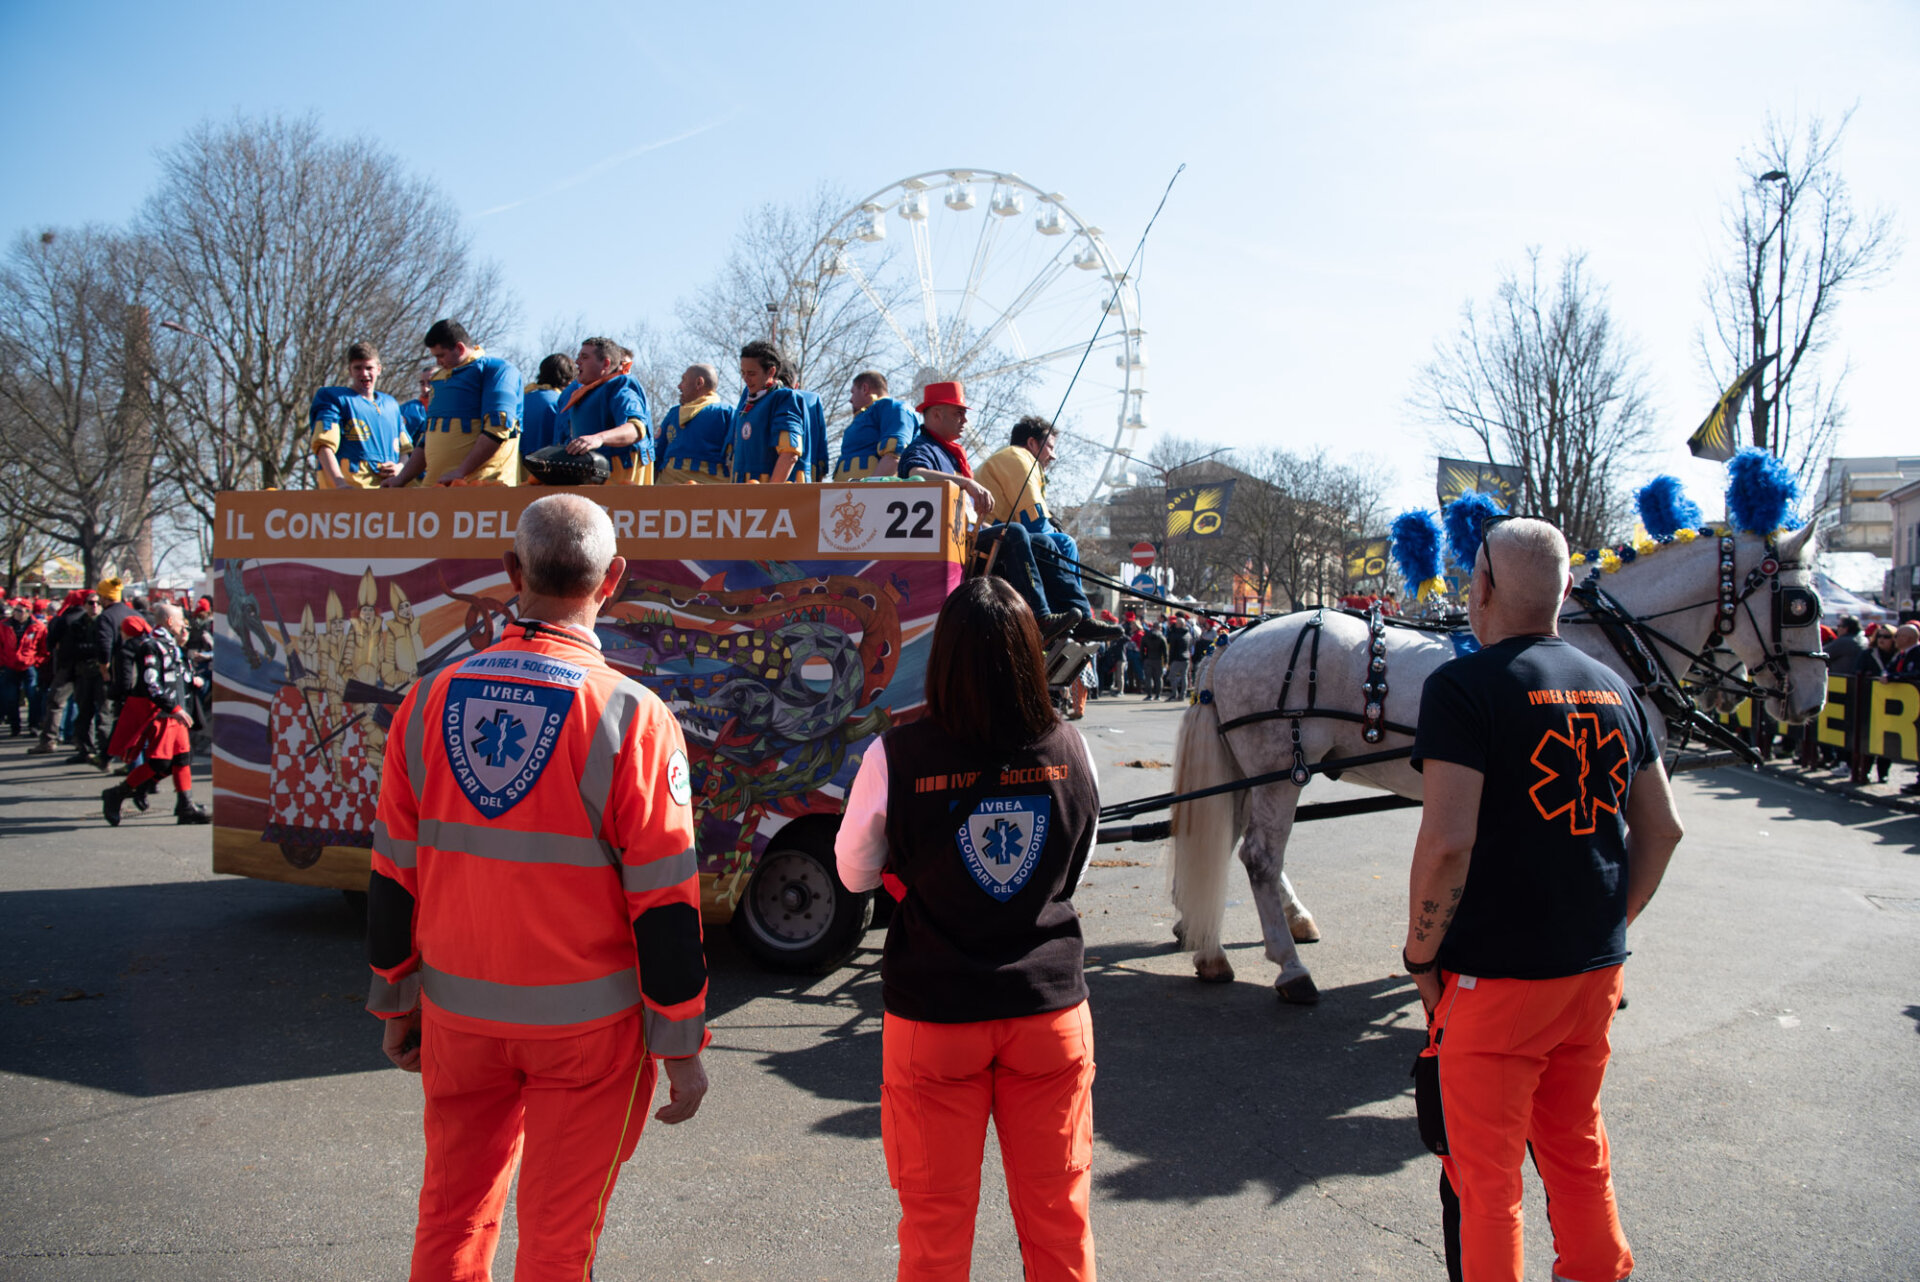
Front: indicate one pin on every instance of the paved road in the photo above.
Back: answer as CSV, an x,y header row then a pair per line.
x,y
189,1089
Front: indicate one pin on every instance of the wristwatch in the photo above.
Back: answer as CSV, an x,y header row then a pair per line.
x,y
1418,968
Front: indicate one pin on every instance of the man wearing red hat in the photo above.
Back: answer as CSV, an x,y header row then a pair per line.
x,y
937,455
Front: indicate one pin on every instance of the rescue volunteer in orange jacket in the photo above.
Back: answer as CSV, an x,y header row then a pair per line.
x,y
986,810
534,916
1547,826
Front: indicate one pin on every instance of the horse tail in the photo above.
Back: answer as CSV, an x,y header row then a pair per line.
x,y
1204,831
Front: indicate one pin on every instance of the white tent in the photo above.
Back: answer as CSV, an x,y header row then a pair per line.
x,y
1836,601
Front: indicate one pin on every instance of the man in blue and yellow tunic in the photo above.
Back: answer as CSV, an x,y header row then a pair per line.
x,y
540,403
770,434
879,434
473,420
694,433
1016,477
607,412
818,460
359,436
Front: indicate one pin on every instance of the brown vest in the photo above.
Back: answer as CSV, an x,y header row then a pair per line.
x,y
987,930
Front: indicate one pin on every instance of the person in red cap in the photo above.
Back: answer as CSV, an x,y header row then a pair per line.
x,y
23,648
937,455
153,722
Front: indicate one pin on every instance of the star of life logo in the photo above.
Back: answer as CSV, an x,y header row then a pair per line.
x,y
1001,841
500,738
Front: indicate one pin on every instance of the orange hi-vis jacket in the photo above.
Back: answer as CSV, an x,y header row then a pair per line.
x,y
533,863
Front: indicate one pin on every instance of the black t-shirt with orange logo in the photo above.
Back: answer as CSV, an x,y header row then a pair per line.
x,y
1558,737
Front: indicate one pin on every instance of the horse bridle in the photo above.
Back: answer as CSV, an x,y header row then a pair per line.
x,y
1637,640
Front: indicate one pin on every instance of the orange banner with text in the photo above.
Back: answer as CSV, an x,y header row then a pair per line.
x,y
895,520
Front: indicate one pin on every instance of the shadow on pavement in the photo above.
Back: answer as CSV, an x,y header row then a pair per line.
x,y
1202,1091
187,986
1887,826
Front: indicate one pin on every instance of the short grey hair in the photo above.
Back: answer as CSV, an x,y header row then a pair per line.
x,y
708,372
1533,564
165,613
565,544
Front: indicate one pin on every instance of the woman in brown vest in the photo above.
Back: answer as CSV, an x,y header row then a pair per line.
x,y
985,809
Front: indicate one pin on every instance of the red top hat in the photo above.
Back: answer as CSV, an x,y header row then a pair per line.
x,y
943,394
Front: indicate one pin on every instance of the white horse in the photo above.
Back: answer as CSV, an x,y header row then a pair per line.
x,y
1674,589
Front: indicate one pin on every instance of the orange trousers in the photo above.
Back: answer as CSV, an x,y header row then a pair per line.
x,y
1521,1061
569,1109
940,1083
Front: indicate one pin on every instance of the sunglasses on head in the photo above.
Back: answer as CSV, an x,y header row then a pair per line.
x,y
1488,525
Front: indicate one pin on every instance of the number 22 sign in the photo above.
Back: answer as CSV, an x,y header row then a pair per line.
x,y
880,518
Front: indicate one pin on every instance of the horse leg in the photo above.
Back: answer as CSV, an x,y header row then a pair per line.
x,y
1300,923
1264,852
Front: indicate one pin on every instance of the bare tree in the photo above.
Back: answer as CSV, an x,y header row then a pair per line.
x,y
1540,379
271,248
76,417
1290,527
772,286
22,547
1794,247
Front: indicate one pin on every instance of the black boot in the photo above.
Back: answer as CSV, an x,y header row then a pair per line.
x,y
139,795
111,799
186,811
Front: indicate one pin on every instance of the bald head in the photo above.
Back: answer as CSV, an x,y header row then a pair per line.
x,y
697,381
564,545
1521,576
1906,636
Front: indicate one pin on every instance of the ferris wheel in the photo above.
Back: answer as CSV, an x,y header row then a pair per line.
x,y
982,276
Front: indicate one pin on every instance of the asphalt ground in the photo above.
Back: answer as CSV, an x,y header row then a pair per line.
x,y
189,1088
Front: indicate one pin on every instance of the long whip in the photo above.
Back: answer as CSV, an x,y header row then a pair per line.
x,y
1119,283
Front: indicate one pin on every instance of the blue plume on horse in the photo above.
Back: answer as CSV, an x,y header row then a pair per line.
x,y
1761,492
1665,508
1416,547
1464,516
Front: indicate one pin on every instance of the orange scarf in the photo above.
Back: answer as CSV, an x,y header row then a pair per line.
x,y
580,392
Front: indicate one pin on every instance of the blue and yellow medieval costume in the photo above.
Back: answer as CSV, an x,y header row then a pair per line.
x,y
479,395
875,440
610,403
362,431
817,460
693,442
539,407
764,428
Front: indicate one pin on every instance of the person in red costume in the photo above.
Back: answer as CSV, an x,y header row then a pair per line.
x,y
153,723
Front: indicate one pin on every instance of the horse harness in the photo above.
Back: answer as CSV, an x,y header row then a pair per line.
x,y
1372,719
1638,643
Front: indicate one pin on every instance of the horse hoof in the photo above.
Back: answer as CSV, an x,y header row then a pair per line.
x,y
1303,930
1298,992
1213,971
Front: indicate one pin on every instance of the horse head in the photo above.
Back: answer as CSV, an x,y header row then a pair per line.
x,y
1780,625
1735,614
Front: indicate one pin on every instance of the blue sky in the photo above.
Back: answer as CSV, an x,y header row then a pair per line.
x,y
1356,172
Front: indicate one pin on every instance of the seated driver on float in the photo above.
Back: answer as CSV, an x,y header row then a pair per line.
x,y
1016,477
937,455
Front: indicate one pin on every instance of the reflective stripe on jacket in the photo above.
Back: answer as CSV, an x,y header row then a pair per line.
x,y
536,834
